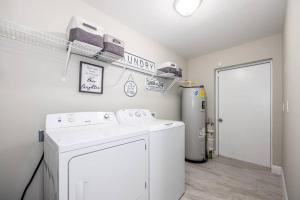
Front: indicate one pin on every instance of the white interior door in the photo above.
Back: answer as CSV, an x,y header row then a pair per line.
x,y
244,107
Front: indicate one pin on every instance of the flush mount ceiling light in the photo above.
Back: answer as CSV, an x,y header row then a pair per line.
x,y
186,7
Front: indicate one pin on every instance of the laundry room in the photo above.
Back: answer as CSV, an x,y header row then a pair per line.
x,y
149,100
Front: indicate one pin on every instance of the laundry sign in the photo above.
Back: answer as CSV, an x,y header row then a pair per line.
x,y
139,62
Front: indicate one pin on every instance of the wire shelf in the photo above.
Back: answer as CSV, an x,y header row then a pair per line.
x,y
59,43
30,36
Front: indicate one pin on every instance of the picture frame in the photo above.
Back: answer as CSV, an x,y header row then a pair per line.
x,y
91,78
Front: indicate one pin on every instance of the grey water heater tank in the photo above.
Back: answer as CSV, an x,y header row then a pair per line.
x,y
194,117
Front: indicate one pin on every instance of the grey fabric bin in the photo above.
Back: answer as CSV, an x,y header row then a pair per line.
x,y
168,70
86,37
113,45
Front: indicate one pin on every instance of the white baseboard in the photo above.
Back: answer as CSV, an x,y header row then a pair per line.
x,y
285,195
279,171
276,169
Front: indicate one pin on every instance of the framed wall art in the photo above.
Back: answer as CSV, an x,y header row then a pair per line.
x,y
91,78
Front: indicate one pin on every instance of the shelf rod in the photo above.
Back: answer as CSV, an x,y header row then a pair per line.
x,y
118,64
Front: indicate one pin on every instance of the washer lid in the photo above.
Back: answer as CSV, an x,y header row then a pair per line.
x,y
158,124
72,138
144,118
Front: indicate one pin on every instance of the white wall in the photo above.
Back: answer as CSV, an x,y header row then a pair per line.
x,y
202,69
291,136
31,87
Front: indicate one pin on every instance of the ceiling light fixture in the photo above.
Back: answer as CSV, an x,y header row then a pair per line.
x,y
186,7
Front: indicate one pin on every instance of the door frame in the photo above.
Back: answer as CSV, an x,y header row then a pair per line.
x,y
216,99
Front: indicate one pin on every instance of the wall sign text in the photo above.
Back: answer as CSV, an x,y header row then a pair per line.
x,y
138,62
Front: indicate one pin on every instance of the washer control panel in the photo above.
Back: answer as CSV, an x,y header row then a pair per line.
x,y
79,119
134,115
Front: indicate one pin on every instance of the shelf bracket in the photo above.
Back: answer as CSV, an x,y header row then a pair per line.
x,y
119,78
64,78
171,85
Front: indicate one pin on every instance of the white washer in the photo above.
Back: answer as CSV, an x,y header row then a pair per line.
x,y
167,152
90,156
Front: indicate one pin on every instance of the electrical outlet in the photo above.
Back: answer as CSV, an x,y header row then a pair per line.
x,y
41,136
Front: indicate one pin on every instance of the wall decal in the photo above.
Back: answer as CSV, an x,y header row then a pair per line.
x,y
130,87
153,83
91,78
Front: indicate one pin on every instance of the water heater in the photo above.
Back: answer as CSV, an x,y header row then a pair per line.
x,y
194,117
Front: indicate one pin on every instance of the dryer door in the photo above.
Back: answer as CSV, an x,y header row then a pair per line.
x,y
114,173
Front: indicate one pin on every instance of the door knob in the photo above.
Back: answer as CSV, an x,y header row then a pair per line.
x,y
220,120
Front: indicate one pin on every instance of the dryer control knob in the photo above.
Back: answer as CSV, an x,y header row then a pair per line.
x,y
106,116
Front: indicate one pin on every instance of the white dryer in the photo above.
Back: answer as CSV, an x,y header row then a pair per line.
x,y
167,152
89,156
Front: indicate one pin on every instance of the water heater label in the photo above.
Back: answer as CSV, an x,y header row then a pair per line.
x,y
202,92
195,93
199,93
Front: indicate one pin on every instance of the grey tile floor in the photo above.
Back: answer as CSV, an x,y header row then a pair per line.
x,y
229,179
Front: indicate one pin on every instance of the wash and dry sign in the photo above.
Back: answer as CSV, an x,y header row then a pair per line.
x,y
138,62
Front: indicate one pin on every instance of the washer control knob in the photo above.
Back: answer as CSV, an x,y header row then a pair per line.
x,y
138,114
106,116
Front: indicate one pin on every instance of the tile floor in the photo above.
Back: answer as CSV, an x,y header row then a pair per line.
x,y
229,179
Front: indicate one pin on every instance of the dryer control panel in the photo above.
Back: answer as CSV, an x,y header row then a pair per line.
x,y
64,120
